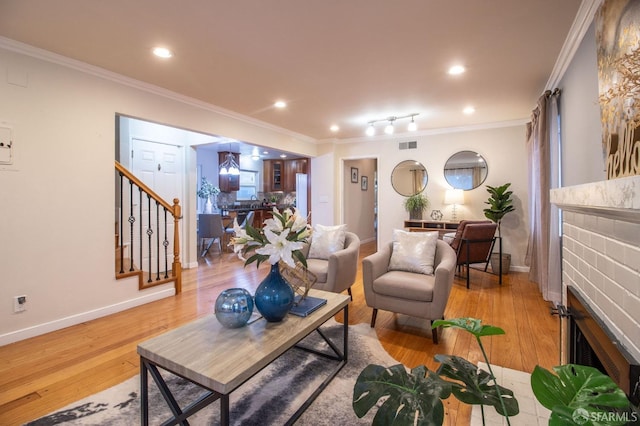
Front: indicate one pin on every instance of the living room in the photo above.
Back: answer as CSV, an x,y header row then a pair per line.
x,y
57,206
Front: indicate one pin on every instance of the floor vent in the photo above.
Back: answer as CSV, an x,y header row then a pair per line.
x,y
408,145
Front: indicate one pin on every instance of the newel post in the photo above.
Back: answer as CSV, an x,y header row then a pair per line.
x,y
177,266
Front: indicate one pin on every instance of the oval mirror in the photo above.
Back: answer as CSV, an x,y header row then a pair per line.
x,y
465,170
409,178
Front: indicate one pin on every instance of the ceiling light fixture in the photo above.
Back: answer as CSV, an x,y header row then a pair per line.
x,y
412,127
255,155
334,128
280,104
162,52
469,110
229,166
456,70
389,128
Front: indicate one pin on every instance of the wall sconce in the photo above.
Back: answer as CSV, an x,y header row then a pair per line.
x,y
389,128
455,197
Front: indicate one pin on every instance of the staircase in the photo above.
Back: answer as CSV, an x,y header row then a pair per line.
x,y
147,234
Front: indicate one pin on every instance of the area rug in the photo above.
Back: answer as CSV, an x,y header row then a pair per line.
x,y
269,398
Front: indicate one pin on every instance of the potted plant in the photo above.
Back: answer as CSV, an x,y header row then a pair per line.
x,y
575,394
205,192
415,205
417,395
500,203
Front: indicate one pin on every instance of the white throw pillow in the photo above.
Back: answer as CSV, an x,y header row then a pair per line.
x,y
413,251
326,240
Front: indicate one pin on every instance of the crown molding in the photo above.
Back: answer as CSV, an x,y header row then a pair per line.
x,y
45,55
581,23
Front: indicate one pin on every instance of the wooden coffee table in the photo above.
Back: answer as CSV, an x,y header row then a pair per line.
x,y
219,359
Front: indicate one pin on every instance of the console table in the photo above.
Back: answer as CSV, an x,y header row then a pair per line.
x,y
443,227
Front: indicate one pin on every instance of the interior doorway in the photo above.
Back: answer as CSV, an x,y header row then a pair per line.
x,y
360,197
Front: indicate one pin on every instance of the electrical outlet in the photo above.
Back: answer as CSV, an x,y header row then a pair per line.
x,y
19,303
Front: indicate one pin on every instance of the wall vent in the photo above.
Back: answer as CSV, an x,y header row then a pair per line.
x,y
408,145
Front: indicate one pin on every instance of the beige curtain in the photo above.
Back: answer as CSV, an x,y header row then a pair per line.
x,y
543,150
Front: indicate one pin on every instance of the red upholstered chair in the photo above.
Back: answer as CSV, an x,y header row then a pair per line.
x,y
473,243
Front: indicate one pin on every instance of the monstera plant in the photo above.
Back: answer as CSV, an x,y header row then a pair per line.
x,y
416,396
576,395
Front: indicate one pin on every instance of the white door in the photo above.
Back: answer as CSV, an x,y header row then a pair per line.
x,y
157,165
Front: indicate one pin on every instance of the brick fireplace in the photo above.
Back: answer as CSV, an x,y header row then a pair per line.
x,y
601,273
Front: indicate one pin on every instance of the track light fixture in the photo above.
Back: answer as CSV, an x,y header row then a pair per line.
x,y
389,128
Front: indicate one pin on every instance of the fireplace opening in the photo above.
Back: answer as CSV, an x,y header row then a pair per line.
x,y
591,343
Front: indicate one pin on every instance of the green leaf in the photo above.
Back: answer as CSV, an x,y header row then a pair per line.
x,y
578,387
478,387
472,325
411,398
300,257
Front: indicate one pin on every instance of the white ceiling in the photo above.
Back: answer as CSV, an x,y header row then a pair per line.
x,y
342,62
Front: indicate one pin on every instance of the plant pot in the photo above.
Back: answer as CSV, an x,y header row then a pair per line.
x,y
415,214
495,263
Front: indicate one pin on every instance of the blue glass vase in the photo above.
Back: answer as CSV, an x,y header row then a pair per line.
x,y
234,307
274,296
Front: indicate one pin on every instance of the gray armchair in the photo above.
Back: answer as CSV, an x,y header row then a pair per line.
x,y
409,293
337,273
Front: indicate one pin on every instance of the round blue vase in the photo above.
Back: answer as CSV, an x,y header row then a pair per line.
x,y
234,307
274,296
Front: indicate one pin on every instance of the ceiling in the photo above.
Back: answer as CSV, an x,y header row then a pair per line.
x,y
343,62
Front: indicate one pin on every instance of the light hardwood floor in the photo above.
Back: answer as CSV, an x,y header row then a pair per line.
x,y
45,373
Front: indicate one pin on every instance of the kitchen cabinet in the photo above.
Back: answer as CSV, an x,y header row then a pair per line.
x,y
273,171
280,175
291,167
228,183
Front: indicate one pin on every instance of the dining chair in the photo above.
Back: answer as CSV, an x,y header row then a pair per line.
x,y
210,228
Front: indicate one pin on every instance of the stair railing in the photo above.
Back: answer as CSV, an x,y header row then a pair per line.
x,y
149,233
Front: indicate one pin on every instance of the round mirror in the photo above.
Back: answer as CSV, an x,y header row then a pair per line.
x,y
409,178
465,170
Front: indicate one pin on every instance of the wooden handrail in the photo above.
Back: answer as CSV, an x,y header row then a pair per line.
x,y
146,189
176,212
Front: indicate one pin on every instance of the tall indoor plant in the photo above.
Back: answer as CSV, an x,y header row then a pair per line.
x,y
415,205
500,203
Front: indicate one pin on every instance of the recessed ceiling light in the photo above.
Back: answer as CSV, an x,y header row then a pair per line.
x,y
265,152
162,52
334,128
280,104
469,110
283,155
456,70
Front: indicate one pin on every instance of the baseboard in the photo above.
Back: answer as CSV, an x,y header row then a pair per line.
x,y
61,323
368,240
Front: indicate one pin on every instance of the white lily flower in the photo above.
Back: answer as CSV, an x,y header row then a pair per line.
x,y
279,247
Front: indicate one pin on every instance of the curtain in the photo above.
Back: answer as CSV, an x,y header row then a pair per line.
x,y
543,151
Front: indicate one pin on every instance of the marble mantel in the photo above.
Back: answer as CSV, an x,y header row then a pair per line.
x,y
615,198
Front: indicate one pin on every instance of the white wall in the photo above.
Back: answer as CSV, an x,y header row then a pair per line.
x,y
583,157
57,199
504,150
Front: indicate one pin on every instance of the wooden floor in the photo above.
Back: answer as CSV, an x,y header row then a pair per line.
x,y
45,373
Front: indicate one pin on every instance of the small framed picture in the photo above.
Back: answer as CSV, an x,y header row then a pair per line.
x,y
364,183
354,175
